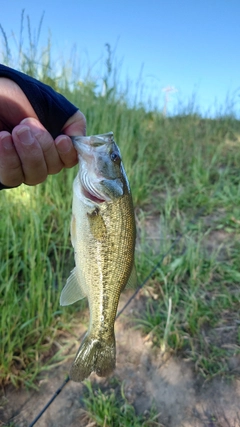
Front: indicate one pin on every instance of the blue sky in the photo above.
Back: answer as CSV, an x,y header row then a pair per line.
x,y
192,46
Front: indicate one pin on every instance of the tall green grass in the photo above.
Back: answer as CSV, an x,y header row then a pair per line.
x,y
176,165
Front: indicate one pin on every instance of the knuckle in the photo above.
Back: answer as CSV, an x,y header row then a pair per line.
x,y
52,170
45,140
34,180
70,164
11,181
11,175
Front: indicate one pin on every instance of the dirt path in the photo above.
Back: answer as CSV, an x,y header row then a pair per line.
x,y
179,396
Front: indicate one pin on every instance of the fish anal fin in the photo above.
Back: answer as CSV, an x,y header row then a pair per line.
x,y
72,291
133,280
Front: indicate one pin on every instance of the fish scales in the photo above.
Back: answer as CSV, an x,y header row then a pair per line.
x,y
108,275
103,237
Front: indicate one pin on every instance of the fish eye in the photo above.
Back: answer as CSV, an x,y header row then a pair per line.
x,y
115,157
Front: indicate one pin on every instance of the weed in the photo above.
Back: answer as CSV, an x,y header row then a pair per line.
x,y
111,408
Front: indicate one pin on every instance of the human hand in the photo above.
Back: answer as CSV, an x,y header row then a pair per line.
x,y
28,152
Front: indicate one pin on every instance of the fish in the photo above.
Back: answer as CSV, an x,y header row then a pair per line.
x,y
103,234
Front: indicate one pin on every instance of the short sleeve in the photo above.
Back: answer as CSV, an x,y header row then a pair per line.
x,y
52,109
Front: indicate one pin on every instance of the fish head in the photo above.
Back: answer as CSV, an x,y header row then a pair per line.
x,y
101,172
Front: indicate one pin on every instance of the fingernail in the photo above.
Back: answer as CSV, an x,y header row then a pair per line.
x,y
24,120
63,145
25,136
6,142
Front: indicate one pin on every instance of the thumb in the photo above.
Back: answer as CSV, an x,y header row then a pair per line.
x,y
76,125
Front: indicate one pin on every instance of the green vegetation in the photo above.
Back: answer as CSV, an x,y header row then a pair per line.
x,y
184,174
112,408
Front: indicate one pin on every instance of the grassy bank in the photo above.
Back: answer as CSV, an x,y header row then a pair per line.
x,y
176,166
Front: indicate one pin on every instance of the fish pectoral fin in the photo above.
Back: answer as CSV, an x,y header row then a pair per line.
x,y
72,291
133,280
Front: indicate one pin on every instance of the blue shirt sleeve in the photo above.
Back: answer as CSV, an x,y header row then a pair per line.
x,y
52,109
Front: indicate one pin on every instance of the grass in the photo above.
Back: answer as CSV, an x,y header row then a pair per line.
x,y
29,281
200,277
184,174
111,408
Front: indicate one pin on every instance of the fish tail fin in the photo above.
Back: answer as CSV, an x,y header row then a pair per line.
x,y
94,355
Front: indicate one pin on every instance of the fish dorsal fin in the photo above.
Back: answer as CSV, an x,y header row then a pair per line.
x,y
133,280
72,291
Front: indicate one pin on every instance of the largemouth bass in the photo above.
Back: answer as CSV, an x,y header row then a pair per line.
x,y
103,237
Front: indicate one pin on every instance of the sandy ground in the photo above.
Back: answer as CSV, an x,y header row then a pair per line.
x,y
180,397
